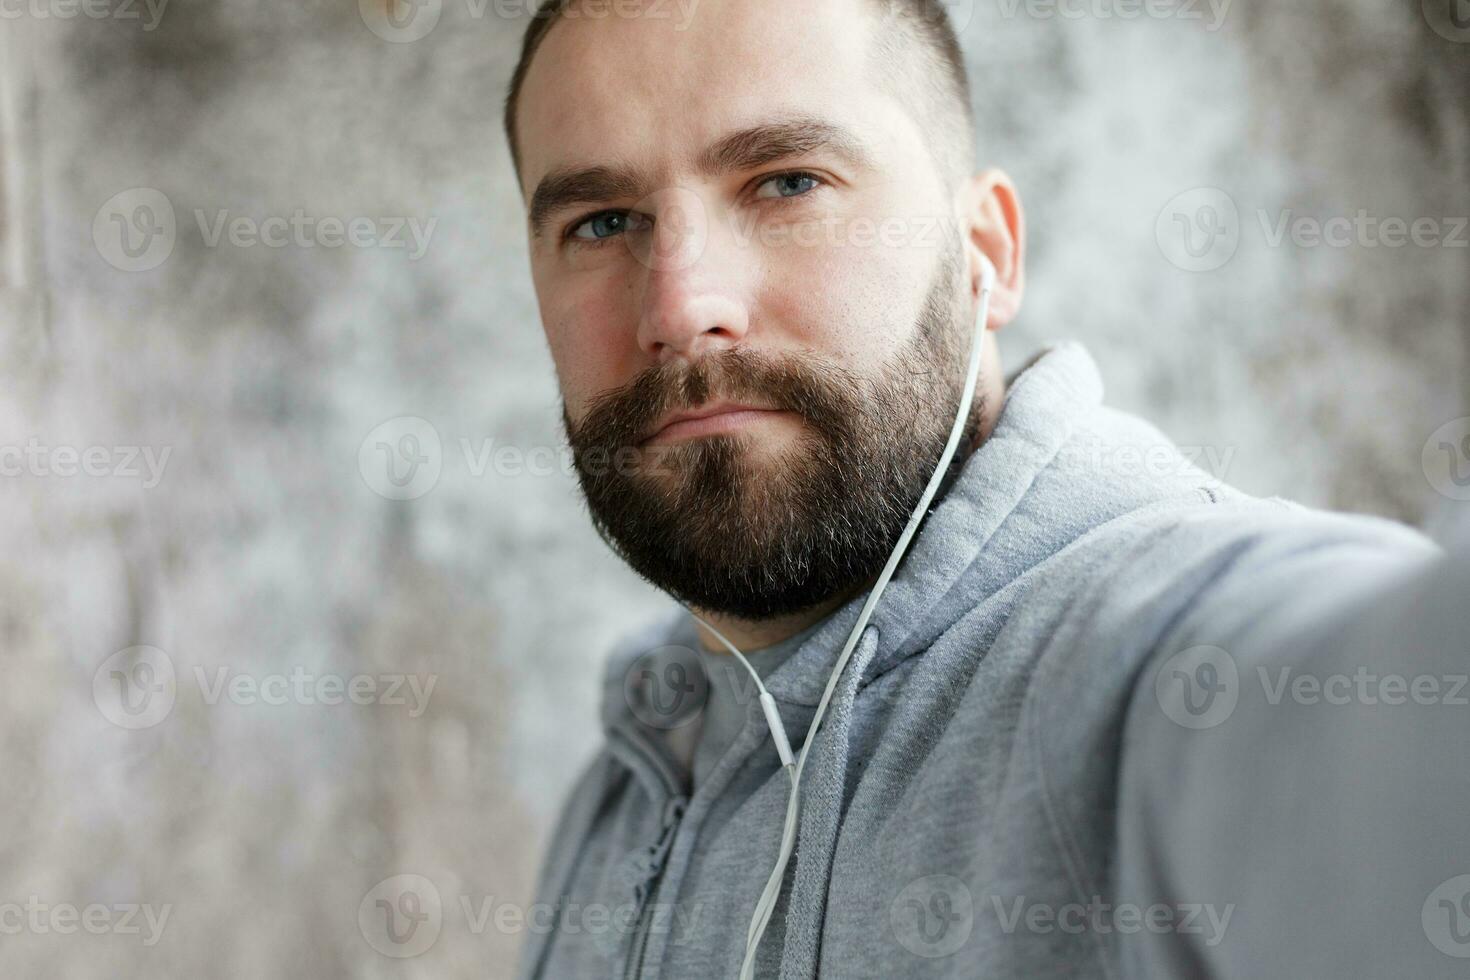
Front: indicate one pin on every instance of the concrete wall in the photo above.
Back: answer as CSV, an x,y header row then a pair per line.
x,y
266,544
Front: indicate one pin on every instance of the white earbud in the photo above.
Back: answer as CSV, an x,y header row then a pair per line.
x,y
987,282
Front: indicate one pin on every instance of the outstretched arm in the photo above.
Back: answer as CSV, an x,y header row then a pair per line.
x,y
1295,787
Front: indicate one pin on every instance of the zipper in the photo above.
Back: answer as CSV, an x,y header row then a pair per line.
x,y
656,856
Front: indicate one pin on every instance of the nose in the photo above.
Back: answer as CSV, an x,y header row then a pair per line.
x,y
692,303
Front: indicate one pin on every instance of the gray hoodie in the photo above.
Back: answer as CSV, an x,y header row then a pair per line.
x,y
1107,720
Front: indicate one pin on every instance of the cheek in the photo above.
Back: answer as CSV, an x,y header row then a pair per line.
x,y
852,301
593,342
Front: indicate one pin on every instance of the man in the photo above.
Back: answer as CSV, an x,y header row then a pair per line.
x,y
1071,739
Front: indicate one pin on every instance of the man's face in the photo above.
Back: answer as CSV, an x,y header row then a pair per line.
x,y
732,209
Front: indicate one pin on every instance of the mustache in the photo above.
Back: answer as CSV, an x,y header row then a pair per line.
x,y
797,381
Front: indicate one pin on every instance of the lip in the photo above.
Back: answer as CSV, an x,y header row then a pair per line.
x,y
707,420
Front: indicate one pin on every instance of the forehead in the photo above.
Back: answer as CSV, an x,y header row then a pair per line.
x,y
651,84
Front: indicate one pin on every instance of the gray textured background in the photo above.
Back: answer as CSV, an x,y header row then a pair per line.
x,y
1318,373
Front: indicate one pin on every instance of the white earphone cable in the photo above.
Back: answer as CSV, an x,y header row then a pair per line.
x,y
767,903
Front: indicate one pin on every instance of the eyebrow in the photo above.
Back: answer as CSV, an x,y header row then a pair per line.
x,y
743,149
758,145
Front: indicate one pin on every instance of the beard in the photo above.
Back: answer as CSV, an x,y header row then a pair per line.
x,y
728,526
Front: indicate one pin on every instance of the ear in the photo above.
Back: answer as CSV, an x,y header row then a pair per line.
x,y
993,226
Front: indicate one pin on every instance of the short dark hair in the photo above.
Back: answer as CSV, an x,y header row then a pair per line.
x,y
921,36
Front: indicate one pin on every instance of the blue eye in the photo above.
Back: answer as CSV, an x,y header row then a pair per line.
x,y
787,185
607,224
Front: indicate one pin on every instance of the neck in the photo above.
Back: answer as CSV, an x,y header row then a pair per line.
x,y
749,635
